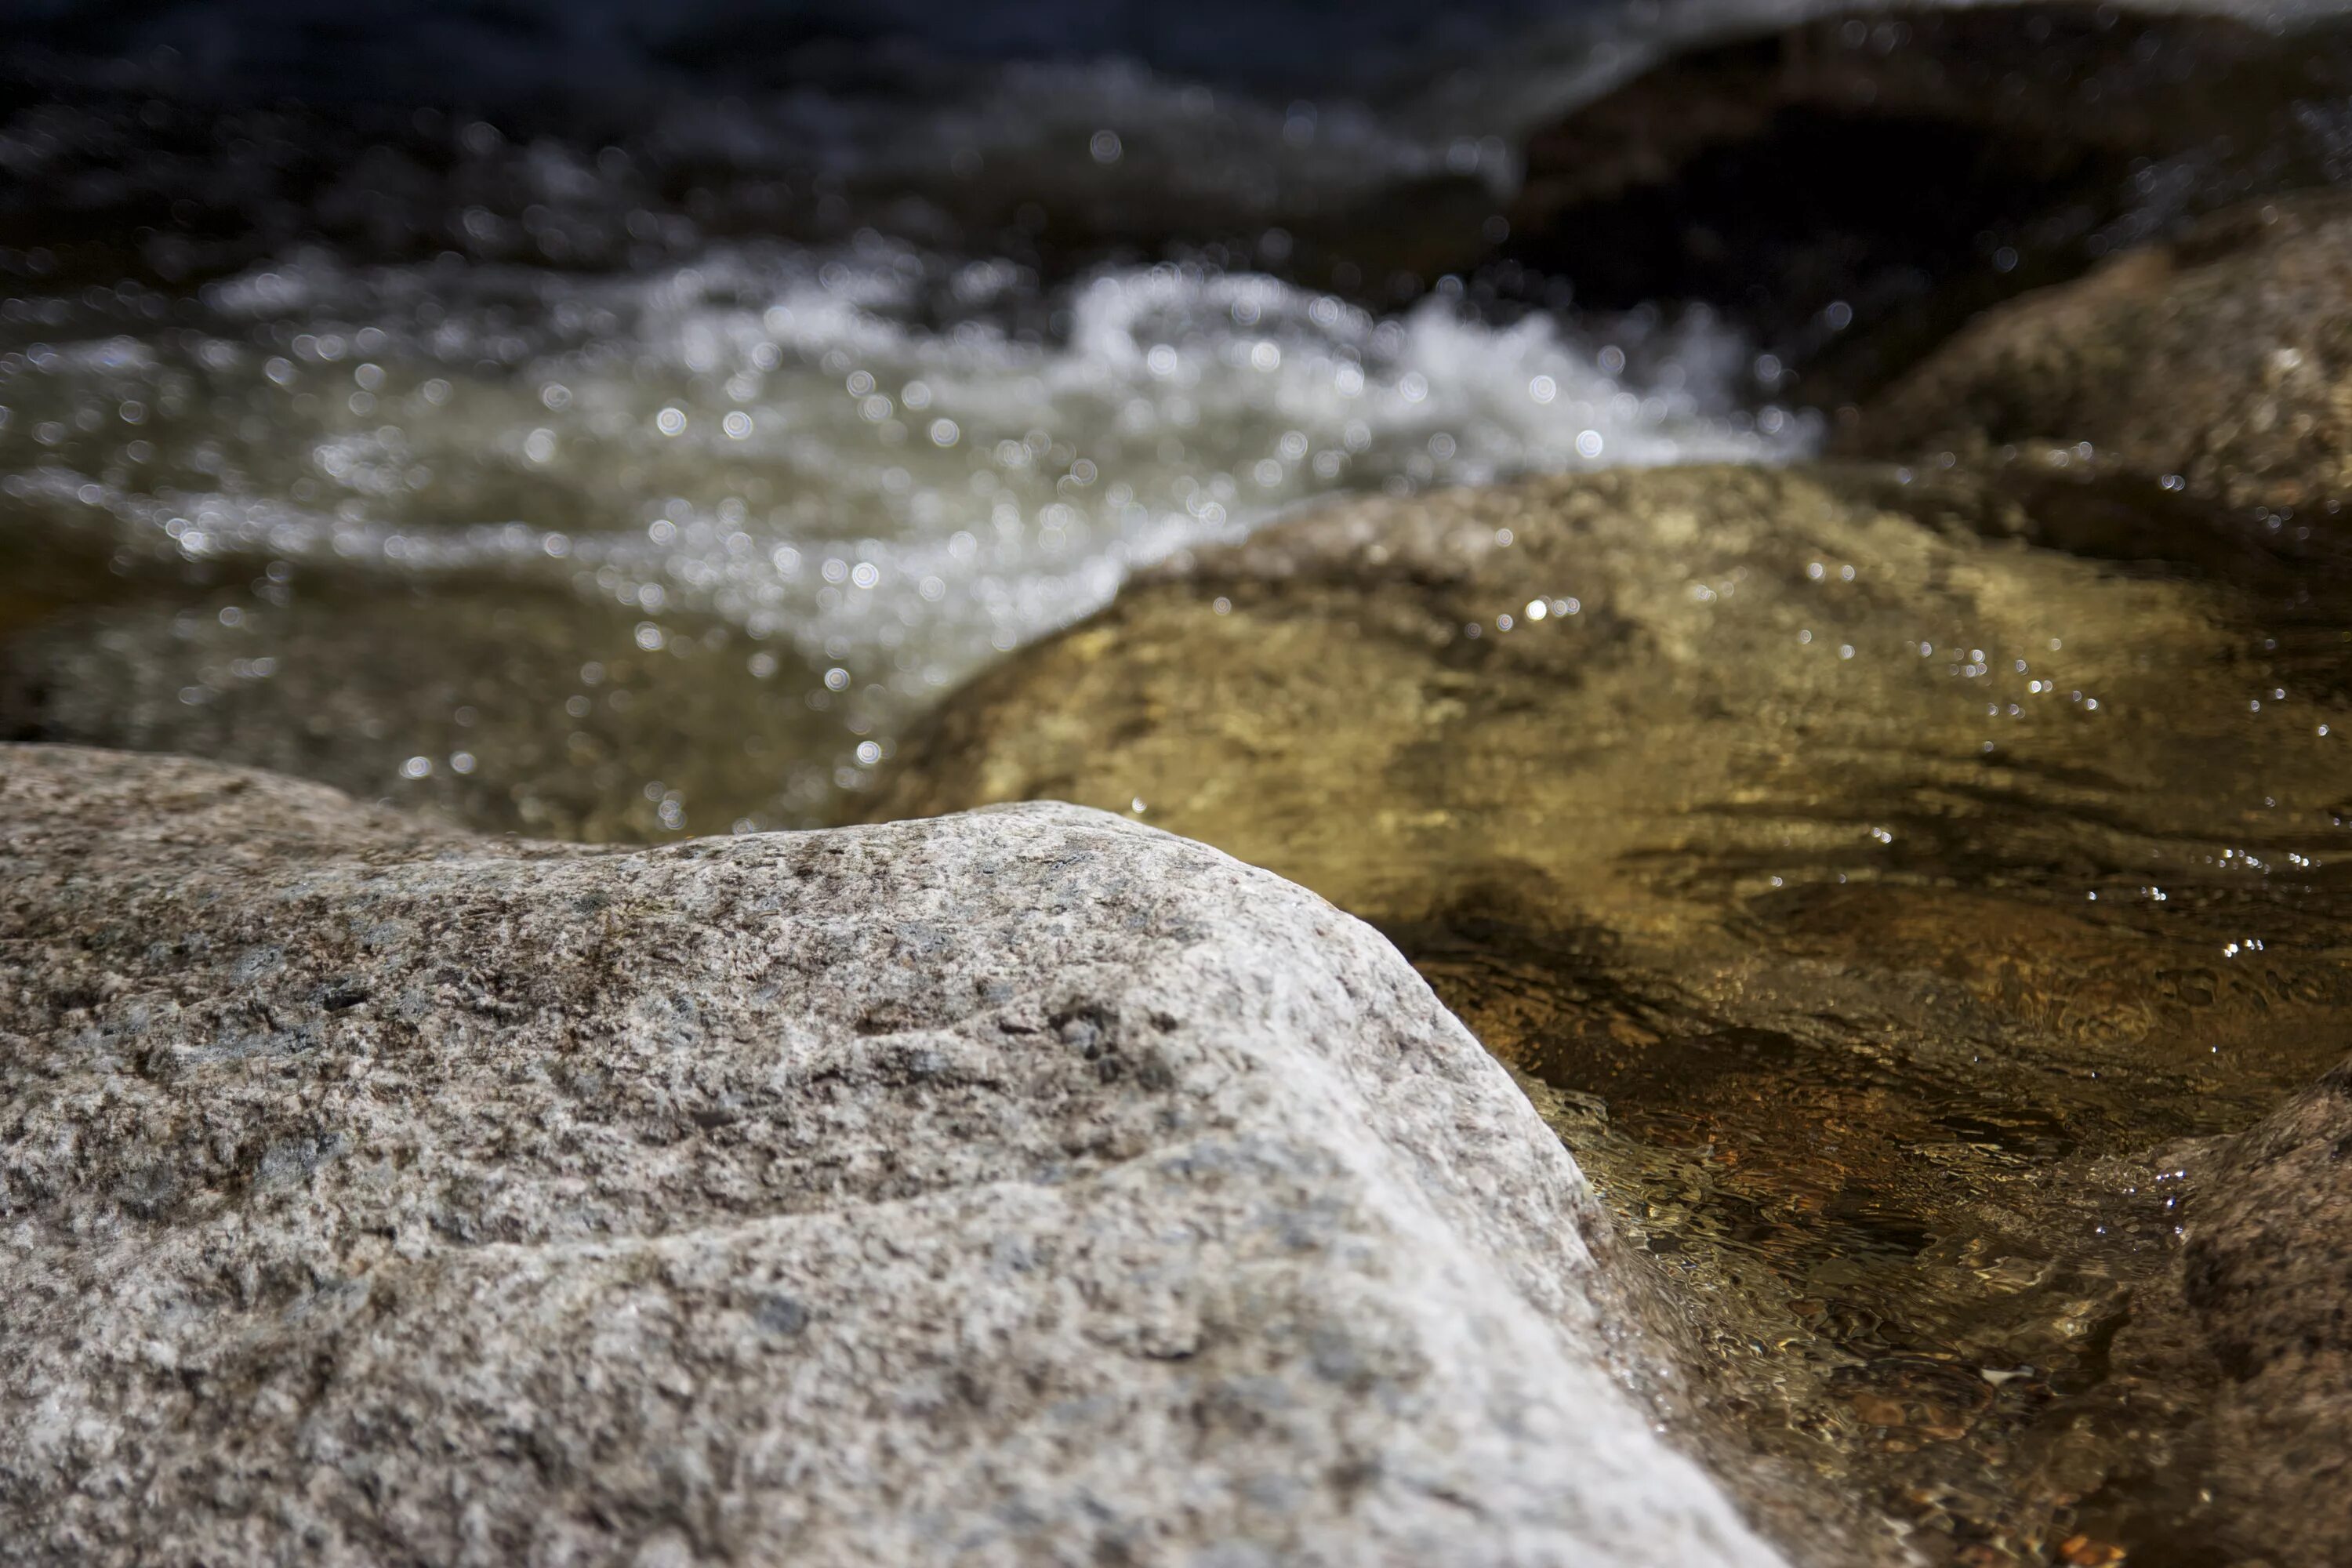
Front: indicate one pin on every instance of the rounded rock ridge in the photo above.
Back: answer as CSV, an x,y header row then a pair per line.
x,y
1020,1186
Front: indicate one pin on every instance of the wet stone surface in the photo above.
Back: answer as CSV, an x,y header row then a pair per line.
x,y
1885,901
2267,1279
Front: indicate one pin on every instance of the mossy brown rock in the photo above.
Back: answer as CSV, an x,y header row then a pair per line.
x,y
2221,364
1866,886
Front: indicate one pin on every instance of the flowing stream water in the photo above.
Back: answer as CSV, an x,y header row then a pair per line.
x,y
839,479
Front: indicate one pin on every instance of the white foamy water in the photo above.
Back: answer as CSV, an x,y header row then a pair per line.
x,y
892,464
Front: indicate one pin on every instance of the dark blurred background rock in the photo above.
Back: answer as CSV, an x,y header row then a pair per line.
x,y
2217,366
1856,186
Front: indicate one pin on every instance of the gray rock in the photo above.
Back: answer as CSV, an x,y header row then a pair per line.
x,y
2268,1274
1026,1187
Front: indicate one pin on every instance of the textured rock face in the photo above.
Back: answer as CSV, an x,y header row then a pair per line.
x,y
1028,1186
2222,363
2268,1272
1630,682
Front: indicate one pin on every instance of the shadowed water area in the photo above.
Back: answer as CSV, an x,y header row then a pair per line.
x,y
1890,881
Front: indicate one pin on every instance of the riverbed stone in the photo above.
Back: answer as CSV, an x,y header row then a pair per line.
x,y
2267,1269
2218,365
1023,1186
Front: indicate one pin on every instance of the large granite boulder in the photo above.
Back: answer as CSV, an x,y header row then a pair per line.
x,y
1021,1187
2220,365
1852,186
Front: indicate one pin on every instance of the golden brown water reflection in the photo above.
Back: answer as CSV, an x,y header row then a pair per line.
x,y
1884,882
